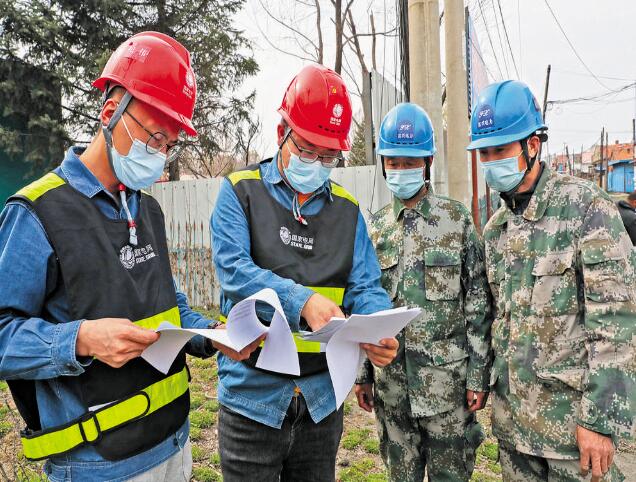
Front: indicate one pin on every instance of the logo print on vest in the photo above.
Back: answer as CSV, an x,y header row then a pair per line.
x,y
130,256
285,236
295,240
127,257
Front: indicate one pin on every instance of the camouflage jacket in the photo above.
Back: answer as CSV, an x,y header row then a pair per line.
x,y
432,257
562,274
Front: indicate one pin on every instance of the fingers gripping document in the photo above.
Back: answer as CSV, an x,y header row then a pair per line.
x,y
344,355
278,353
342,338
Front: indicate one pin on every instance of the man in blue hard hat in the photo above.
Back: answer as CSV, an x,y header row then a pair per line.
x,y
561,272
431,257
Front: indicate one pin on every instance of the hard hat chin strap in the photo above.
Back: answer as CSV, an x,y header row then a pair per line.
x,y
107,130
427,170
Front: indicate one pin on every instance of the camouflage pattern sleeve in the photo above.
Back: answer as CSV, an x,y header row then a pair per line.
x,y
365,373
608,405
477,310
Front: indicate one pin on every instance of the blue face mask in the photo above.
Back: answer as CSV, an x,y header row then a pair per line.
x,y
305,177
405,183
503,175
137,169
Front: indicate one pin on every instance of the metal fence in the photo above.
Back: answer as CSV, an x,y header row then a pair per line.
x,y
187,206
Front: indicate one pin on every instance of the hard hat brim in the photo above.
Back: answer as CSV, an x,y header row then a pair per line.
x,y
495,141
405,152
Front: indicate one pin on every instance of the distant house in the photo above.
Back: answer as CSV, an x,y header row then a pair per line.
x,y
620,162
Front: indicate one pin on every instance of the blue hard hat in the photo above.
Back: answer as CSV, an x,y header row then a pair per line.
x,y
406,131
505,112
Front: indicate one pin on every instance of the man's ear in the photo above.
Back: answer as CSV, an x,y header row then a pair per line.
x,y
533,146
108,109
280,131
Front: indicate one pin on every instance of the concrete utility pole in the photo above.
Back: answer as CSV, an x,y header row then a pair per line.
x,y
601,163
459,186
425,77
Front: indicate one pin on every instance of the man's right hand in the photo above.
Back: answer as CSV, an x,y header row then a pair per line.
x,y
319,310
364,394
113,341
244,354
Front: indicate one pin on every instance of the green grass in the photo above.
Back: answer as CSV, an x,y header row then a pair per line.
x,y
355,437
202,419
479,477
206,474
5,427
215,459
196,400
3,386
371,446
198,454
363,470
489,450
211,405
195,433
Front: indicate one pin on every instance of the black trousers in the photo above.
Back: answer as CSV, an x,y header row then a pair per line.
x,y
300,450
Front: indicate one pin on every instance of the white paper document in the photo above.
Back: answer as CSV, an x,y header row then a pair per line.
x,y
243,327
342,338
344,355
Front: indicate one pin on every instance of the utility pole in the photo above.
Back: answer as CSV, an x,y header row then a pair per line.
x,y
606,162
545,101
567,156
425,76
600,182
459,185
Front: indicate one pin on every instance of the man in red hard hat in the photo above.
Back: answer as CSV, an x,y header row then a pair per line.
x,y
284,225
85,279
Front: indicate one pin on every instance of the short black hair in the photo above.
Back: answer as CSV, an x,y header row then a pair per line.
x,y
632,196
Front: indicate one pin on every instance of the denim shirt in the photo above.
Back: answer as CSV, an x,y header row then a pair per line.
x,y
37,335
258,395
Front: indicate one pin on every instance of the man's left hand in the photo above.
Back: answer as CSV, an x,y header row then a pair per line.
x,y
476,400
383,354
597,452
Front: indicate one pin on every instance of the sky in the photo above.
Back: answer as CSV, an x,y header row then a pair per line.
x,y
601,32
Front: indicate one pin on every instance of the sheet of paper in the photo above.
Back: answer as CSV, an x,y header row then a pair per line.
x,y
344,354
243,327
326,332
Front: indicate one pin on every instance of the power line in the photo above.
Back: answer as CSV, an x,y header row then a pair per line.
x,y
483,16
589,98
503,53
503,22
583,74
573,49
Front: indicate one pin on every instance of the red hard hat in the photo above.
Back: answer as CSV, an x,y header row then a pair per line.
x,y
317,106
155,69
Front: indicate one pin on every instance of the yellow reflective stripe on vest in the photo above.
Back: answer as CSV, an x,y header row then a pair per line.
x,y
57,441
334,294
41,186
172,316
303,346
340,191
242,175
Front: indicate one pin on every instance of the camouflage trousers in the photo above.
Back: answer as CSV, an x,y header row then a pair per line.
x,y
443,444
519,467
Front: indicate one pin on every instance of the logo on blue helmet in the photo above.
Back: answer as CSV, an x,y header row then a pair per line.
x,y
405,130
485,117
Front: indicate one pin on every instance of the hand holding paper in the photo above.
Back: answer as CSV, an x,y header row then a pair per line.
x,y
243,328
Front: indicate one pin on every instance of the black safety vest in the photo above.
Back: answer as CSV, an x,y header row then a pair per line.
x,y
318,255
105,277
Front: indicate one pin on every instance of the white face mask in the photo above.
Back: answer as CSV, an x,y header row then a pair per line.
x,y
138,169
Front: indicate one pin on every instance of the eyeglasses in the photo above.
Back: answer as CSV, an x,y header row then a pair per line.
x,y
157,141
310,157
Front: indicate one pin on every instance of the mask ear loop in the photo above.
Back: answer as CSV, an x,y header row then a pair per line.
x,y
107,130
295,202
